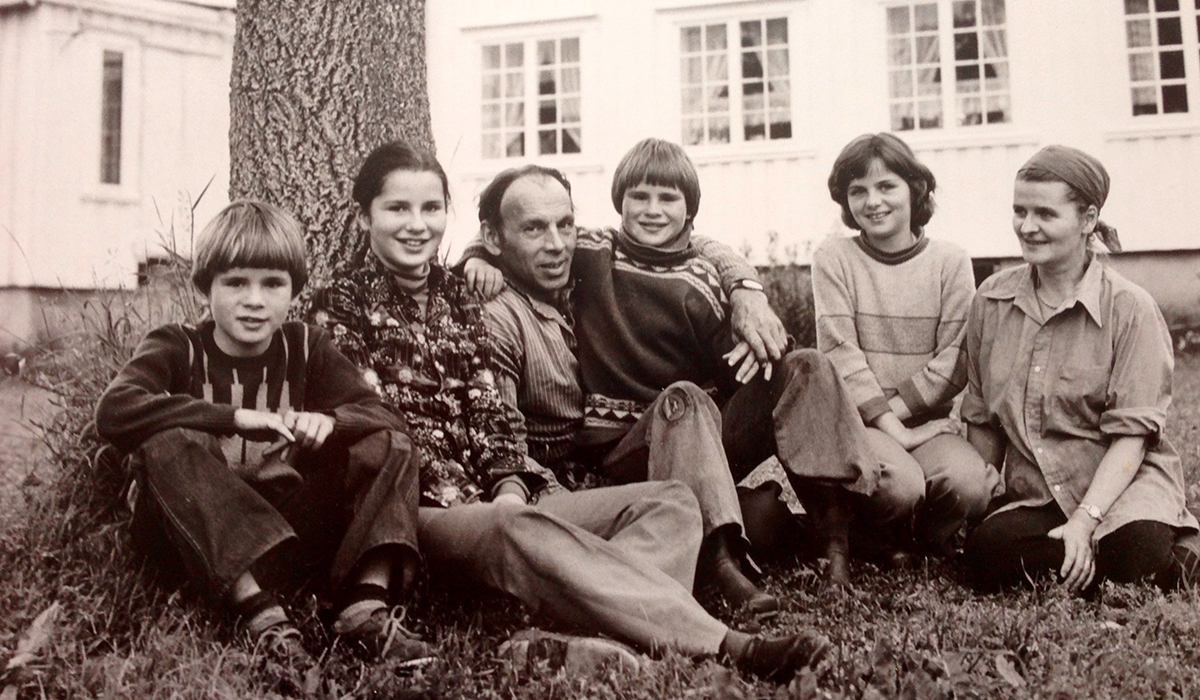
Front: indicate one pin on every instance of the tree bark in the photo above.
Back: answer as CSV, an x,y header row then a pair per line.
x,y
316,85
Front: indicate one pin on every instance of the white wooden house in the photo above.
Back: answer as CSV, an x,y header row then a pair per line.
x,y
114,117
764,94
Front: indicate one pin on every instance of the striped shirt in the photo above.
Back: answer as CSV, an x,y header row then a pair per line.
x,y
537,373
893,324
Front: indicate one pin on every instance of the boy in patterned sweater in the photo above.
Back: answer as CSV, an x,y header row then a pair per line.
x,y
260,454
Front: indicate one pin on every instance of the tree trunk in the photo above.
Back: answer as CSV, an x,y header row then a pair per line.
x,y
316,85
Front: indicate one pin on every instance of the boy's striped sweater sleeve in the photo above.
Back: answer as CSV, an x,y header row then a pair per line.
x,y
837,335
945,375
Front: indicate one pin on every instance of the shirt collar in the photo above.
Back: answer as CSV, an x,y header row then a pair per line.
x,y
558,311
1020,288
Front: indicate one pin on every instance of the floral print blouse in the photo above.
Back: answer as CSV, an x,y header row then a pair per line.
x,y
435,372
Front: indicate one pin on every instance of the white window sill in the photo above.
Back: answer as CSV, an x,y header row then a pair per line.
x,y
753,150
568,165
1156,126
934,140
112,194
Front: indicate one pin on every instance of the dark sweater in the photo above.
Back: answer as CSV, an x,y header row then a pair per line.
x,y
179,378
645,319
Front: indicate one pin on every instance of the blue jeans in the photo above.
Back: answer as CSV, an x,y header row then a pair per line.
x,y
195,513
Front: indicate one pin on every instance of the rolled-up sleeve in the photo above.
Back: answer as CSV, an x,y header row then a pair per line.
x,y
974,409
1139,388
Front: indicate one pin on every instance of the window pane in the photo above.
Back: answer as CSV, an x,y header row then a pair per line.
x,y
1170,64
993,12
1166,5
545,53
751,34
964,14
929,81
754,127
491,87
693,102
928,50
931,115
546,82
1170,31
900,84
1137,7
718,68
570,50
491,57
995,77
899,52
902,117
777,31
970,112
780,127
752,97
1174,98
693,132
514,55
714,37
570,79
112,90
547,142
967,78
1137,33
547,112
1141,67
997,109
777,62
514,114
718,99
752,66
779,94
491,145
718,129
570,140
994,44
514,84
898,20
1145,101
926,17
966,46
515,145
570,110
689,39
692,70
491,116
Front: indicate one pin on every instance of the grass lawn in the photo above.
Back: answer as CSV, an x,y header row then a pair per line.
x,y
917,634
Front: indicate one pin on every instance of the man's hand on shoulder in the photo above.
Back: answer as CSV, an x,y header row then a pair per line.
x,y
483,278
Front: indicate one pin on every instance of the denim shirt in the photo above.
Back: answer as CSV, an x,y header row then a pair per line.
x,y
1061,386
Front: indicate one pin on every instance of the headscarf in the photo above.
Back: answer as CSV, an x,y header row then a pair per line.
x,y
1082,173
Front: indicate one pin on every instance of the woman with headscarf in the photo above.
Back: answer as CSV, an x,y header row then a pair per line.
x,y
1069,382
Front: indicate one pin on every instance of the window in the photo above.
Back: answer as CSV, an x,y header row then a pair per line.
x,y
110,117
525,104
1154,34
755,103
947,57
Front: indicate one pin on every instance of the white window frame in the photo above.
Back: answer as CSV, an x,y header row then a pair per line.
x,y
674,20
1189,14
128,190
947,64
529,36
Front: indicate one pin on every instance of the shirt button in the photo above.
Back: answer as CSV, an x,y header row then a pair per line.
x,y
1039,450
1058,487
1037,369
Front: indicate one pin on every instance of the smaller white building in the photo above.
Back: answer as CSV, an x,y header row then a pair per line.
x,y
114,118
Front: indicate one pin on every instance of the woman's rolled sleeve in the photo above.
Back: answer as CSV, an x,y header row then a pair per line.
x,y
1139,388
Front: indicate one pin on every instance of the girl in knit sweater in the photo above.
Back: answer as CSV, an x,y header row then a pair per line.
x,y
891,308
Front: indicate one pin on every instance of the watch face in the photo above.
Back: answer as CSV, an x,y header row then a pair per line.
x,y
750,284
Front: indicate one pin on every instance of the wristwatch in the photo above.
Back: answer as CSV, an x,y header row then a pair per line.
x,y
750,284
1092,511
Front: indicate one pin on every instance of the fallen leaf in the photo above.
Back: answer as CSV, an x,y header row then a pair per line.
x,y
1008,671
34,638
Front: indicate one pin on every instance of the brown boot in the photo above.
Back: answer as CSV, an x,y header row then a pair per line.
x,y
829,515
727,574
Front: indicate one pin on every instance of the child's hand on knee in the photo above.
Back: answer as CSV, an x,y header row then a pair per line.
x,y
261,425
310,429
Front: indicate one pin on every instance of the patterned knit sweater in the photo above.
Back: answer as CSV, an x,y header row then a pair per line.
x,y
644,320
893,324
179,378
